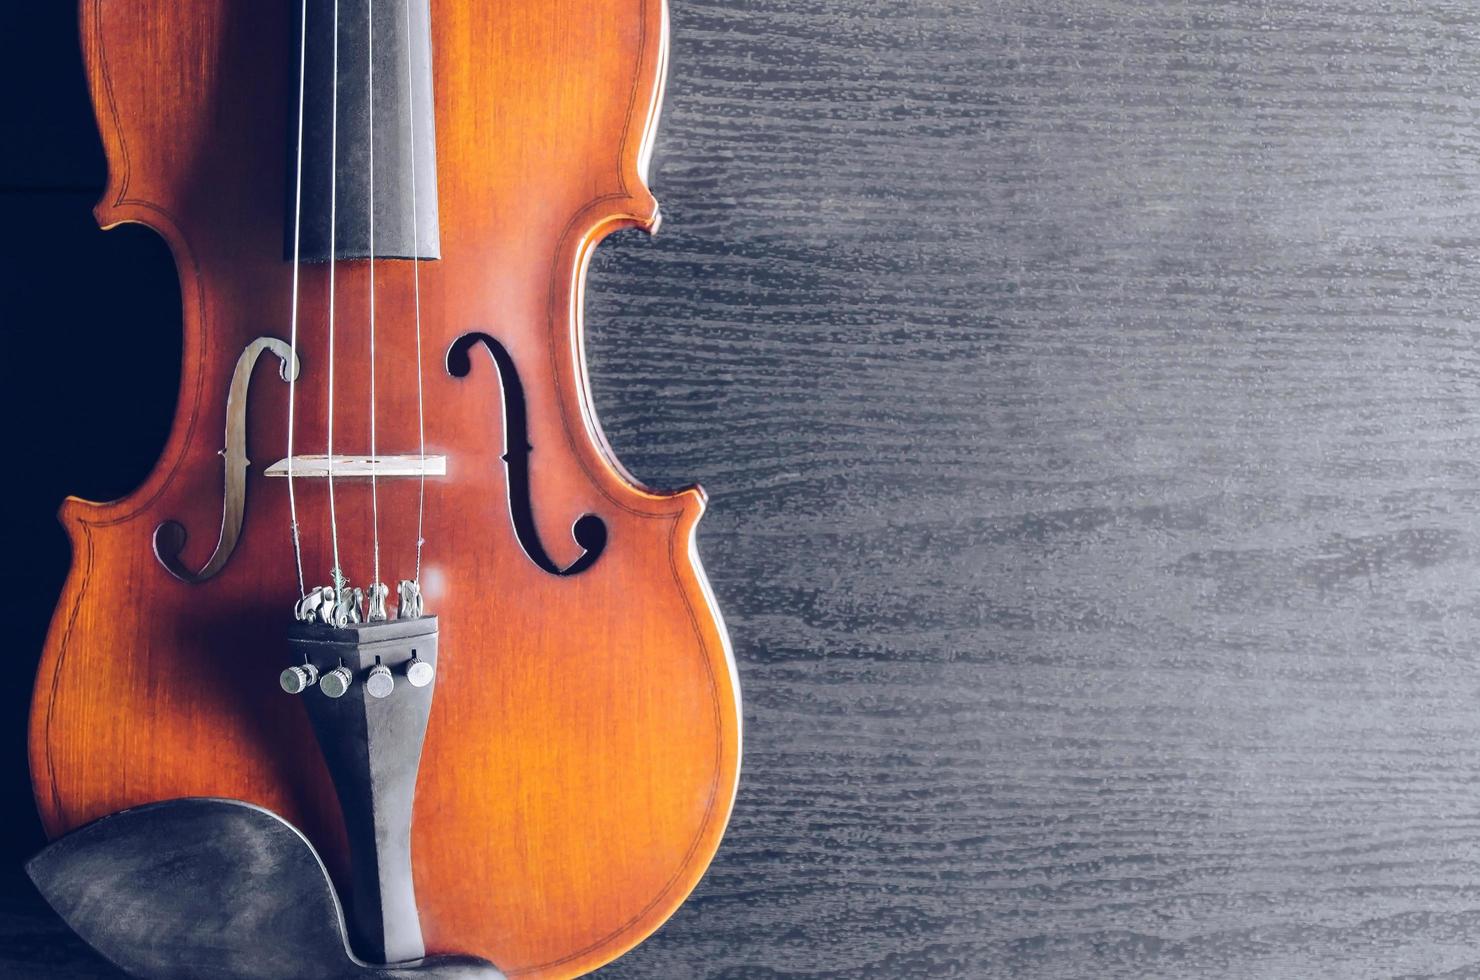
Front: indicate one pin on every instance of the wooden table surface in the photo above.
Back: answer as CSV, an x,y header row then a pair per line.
x,y
1089,395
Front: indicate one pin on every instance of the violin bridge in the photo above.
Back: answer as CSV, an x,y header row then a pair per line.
x,y
349,467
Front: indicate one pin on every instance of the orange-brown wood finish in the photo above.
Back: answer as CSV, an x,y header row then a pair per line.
x,y
583,750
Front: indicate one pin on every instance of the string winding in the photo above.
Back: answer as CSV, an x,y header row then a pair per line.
x,y
421,427
374,484
293,315
338,574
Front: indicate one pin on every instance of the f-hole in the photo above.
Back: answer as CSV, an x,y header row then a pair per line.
x,y
589,531
169,536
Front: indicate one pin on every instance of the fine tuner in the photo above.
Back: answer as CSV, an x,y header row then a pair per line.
x,y
296,680
340,605
336,683
380,681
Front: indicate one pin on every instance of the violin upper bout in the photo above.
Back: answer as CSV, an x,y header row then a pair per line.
x,y
631,204
167,110
637,207
654,114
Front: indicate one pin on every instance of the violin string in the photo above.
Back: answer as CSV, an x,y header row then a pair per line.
x,y
338,574
421,427
293,315
374,488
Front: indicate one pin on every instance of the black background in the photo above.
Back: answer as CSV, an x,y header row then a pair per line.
x,y
1087,391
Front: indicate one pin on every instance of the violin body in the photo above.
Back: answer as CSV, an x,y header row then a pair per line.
x,y
582,753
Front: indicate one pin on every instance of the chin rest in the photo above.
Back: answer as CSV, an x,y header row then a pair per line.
x,y
207,889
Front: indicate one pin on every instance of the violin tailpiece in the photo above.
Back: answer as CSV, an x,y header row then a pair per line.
x,y
369,711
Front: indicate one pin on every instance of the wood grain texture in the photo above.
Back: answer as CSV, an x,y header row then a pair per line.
x,y
1087,392
1097,507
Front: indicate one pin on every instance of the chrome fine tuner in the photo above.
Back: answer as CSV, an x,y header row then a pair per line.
x,y
419,672
296,680
336,682
380,682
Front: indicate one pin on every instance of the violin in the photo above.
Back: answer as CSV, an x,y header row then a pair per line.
x,y
381,212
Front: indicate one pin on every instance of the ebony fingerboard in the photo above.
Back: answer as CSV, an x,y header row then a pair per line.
x,y
404,131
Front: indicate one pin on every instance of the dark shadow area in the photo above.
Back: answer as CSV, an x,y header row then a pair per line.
x,y
91,325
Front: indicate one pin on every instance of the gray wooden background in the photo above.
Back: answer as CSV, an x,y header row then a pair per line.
x,y
1090,399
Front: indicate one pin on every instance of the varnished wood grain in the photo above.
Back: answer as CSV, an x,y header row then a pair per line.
x,y
1087,392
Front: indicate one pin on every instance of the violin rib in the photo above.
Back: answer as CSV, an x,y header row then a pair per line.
x,y
583,750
